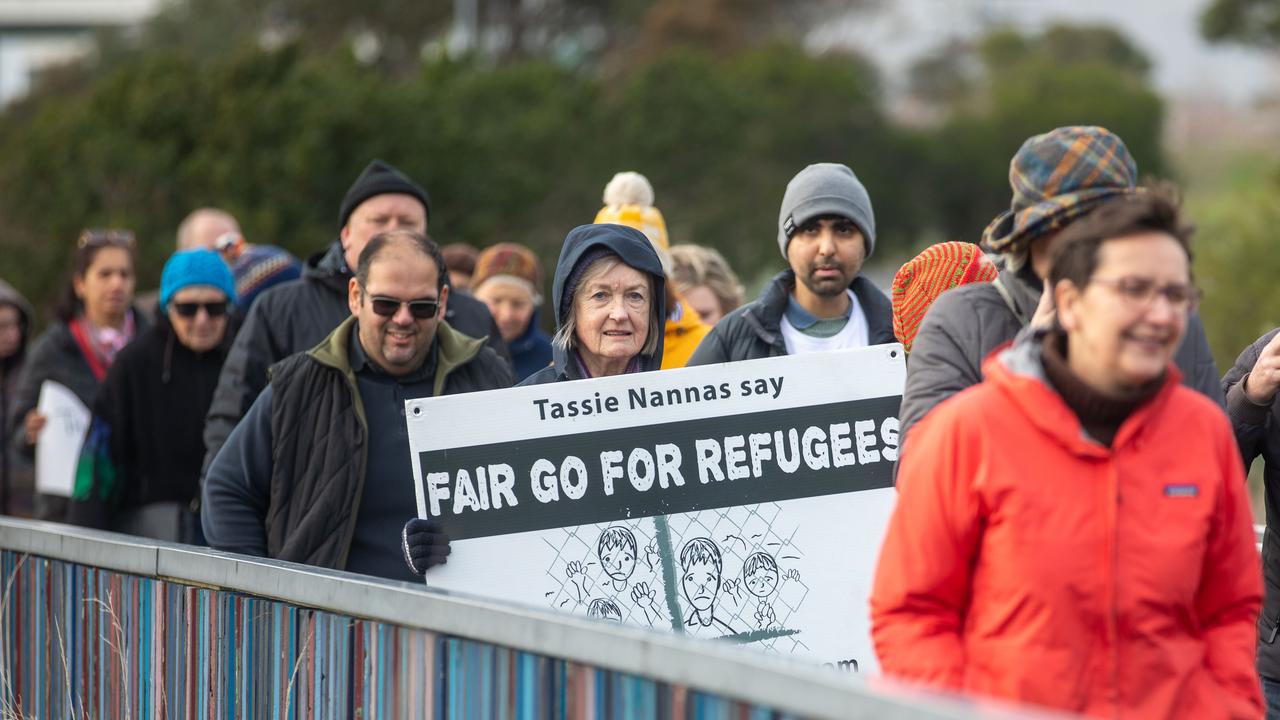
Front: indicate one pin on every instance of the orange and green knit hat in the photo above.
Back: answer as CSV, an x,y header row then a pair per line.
x,y
926,276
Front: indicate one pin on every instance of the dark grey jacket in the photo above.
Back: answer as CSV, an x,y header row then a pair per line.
x,y
755,329
967,323
636,251
289,482
294,317
1257,429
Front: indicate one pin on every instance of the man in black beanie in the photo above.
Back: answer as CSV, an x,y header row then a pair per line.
x,y
294,317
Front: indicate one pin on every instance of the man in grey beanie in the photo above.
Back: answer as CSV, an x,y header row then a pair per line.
x,y
826,229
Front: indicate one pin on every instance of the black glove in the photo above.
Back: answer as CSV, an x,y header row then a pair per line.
x,y
424,545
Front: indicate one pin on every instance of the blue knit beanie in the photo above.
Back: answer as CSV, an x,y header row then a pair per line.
x,y
195,267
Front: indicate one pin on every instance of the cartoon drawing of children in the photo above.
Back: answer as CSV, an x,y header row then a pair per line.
x,y
700,568
604,609
760,576
617,550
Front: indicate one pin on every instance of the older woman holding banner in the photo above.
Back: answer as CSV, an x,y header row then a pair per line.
x,y
1074,531
608,294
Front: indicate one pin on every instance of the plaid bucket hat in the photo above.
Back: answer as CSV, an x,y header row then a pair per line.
x,y
1058,177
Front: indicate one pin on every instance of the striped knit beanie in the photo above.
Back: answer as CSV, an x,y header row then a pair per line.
x,y
926,276
1057,177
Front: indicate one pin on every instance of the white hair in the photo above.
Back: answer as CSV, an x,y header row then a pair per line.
x,y
628,188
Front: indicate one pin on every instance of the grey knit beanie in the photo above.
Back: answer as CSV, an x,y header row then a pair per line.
x,y
825,189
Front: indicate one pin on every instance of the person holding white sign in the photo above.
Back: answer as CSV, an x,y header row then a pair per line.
x,y
608,294
319,471
1075,531
826,230
96,319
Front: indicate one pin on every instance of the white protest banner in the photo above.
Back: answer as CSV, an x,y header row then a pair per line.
x,y
744,501
58,448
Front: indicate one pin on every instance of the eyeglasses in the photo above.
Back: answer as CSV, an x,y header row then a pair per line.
x,y
99,238
1142,291
421,309
189,309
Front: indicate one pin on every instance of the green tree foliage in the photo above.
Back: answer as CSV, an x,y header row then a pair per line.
x,y
1234,246
516,152
1067,75
1250,22
520,151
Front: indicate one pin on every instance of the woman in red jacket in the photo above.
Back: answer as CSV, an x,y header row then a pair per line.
x,y
1074,532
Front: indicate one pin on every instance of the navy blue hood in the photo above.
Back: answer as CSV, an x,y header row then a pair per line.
x,y
636,251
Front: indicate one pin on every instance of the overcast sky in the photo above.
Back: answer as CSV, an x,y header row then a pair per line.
x,y
1167,30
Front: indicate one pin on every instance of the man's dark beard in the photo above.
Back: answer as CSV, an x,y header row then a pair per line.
x,y
828,288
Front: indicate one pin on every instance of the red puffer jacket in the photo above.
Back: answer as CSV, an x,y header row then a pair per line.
x,y
1027,562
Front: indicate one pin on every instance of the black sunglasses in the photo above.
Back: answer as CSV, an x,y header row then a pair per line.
x,y
189,309
423,309
419,309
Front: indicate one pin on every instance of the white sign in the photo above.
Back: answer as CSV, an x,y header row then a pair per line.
x,y
744,501
58,447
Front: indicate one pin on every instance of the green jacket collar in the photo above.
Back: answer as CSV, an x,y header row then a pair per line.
x,y
454,348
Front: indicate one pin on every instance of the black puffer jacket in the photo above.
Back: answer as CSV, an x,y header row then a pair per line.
x,y
295,317
1257,429
636,251
755,330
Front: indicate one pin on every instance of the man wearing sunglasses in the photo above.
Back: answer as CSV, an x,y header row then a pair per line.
x,y
294,317
319,470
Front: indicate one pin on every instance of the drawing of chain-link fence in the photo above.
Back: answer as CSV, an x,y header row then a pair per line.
x,y
621,578
624,583
740,532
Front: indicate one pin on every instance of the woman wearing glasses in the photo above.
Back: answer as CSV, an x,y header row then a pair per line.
x,y
95,320
1074,532
139,469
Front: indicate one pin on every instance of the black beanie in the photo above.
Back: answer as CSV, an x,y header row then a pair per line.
x,y
379,178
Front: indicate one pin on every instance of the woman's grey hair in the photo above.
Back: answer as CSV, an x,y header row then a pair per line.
x,y
566,337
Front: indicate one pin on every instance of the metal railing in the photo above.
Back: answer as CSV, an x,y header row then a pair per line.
x,y
137,623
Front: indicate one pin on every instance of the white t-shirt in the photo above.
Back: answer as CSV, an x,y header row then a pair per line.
x,y
855,333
